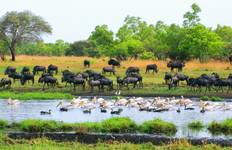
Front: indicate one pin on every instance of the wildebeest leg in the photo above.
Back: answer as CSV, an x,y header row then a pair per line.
x,y
74,87
44,86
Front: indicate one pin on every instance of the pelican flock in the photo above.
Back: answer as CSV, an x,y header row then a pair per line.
x,y
157,104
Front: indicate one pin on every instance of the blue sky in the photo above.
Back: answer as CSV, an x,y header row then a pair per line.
x,y
74,20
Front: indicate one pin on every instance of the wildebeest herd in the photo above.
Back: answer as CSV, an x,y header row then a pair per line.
x,y
94,79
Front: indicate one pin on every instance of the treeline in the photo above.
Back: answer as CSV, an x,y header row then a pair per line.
x,y
138,39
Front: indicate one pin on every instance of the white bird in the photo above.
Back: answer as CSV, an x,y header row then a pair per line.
x,y
13,102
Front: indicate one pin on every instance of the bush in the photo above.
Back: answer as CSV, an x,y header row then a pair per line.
x,y
118,125
3,124
212,98
224,127
34,125
147,55
158,126
196,125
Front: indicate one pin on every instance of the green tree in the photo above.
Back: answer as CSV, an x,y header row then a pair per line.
x,y
102,38
79,48
225,32
17,27
191,18
201,42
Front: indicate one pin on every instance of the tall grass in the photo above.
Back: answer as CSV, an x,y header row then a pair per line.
x,y
158,126
224,127
118,124
196,125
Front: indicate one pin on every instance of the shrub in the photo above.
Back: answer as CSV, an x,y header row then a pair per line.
x,y
147,55
196,125
158,126
224,127
118,125
212,98
3,124
34,125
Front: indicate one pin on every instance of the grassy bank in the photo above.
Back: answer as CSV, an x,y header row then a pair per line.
x,y
34,95
224,127
153,83
112,125
43,143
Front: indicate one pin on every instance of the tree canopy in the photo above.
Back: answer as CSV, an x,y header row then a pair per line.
x,y
18,27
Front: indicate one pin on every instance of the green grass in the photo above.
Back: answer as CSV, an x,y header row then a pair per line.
x,y
3,124
158,126
45,144
118,125
34,95
153,83
224,127
196,125
211,98
112,125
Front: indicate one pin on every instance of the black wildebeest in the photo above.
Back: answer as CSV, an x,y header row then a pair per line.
x,y
86,63
167,77
109,69
94,83
106,82
139,77
5,83
15,76
48,80
27,77
131,70
230,59
10,70
152,67
25,70
52,68
130,80
181,77
114,62
37,69
176,64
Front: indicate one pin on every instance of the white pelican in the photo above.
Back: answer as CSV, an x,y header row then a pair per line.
x,y
13,102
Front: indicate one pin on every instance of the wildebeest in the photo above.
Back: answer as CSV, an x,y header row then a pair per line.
x,y
15,76
27,77
48,80
52,68
114,62
78,81
181,77
37,69
10,70
94,83
109,69
167,77
139,77
152,67
106,82
25,70
94,75
130,80
132,70
5,83
230,59
86,63
176,64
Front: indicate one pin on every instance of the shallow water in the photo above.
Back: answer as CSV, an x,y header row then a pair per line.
x,y
30,109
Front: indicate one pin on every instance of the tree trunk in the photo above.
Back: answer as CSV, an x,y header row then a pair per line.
x,y
12,51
